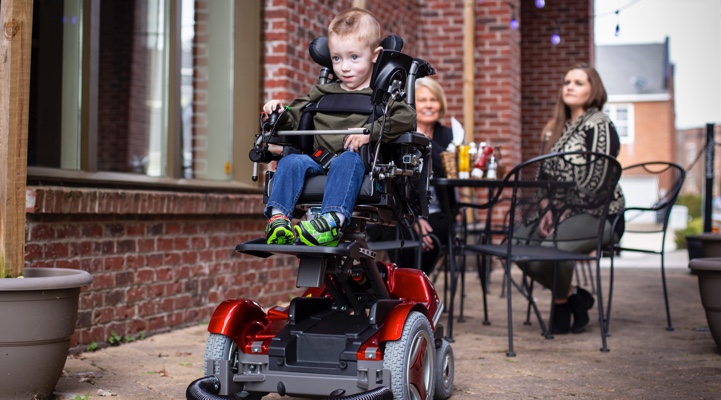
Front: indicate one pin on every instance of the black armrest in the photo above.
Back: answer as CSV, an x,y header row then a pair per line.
x,y
414,138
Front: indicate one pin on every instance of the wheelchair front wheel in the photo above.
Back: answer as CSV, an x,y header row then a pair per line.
x,y
221,347
445,371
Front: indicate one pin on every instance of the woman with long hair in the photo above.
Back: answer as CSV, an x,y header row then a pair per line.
x,y
578,124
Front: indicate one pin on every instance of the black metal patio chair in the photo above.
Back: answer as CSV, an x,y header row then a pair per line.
x,y
587,189
668,178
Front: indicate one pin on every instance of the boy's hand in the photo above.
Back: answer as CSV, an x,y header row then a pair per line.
x,y
275,149
354,142
271,106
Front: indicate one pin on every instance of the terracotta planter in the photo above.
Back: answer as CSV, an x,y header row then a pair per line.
x,y
38,315
708,271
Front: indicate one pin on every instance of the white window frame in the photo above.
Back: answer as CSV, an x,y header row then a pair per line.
x,y
611,109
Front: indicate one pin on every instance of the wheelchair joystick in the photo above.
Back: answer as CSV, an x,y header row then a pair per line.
x,y
269,124
260,153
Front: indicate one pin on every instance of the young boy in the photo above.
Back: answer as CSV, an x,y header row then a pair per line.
x,y
353,40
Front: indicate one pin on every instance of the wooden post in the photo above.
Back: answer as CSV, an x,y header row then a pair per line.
x,y
469,68
17,22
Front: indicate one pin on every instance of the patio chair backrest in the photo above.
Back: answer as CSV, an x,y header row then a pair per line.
x,y
561,185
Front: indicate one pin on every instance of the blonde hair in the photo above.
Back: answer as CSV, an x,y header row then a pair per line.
x,y
437,91
358,22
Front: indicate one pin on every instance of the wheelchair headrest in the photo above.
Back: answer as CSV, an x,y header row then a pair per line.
x,y
319,52
392,42
389,67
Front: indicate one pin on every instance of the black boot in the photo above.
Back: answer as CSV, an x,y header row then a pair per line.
x,y
580,302
561,319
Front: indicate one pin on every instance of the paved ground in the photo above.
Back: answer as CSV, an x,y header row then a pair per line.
x,y
645,361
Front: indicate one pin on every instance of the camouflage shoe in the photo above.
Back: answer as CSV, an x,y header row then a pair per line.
x,y
279,230
321,231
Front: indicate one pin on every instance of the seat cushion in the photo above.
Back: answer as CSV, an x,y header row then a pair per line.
x,y
315,187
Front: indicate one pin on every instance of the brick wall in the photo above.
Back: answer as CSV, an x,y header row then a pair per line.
x,y
543,64
159,260
496,69
290,26
498,91
653,129
517,73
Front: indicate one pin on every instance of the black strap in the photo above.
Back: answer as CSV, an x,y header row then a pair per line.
x,y
350,103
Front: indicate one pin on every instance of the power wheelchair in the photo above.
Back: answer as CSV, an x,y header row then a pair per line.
x,y
363,329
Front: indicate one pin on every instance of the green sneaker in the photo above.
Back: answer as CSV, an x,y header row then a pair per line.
x,y
279,230
324,230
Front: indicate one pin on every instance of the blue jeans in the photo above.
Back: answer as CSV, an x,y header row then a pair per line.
x,y
345,178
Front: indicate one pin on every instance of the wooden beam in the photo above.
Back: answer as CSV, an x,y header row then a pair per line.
x,y
17,23
469,68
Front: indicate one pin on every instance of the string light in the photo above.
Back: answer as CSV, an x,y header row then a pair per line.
x,y
617,31
618,25
514,20
540,3
555,38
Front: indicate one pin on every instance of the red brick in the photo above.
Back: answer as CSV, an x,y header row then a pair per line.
x,y
56,250
103,315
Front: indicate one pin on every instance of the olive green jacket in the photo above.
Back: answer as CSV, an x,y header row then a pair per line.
x,y
402,118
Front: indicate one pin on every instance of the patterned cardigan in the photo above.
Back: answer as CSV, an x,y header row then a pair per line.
x,y
592,131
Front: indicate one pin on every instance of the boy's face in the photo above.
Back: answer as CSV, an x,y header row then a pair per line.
x,y
352,61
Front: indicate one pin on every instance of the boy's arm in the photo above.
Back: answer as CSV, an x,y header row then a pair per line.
x,y
291,117
402,119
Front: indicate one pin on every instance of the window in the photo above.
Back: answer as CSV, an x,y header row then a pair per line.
x,y
622,116
143,88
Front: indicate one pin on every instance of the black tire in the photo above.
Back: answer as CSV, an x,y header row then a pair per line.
x,y
445,371
411,360
221,347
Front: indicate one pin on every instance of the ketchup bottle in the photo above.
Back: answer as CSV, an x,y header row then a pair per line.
x,y
484,154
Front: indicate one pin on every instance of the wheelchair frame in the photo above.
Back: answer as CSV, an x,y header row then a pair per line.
x,y
363,328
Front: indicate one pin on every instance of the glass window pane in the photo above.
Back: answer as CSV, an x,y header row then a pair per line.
x,y
187,34
622,114
212,109
622,131
132,87
54,123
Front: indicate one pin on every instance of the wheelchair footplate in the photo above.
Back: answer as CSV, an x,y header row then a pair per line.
x,y
259,248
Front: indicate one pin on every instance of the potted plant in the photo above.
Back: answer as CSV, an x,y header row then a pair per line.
x,y
38,306
38,313
708,271
705,245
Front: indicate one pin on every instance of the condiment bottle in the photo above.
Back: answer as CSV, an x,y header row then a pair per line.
x,y
472,154
463,165
492,167
484,153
